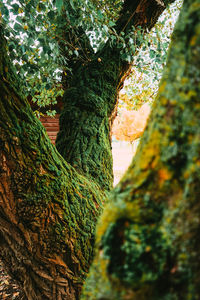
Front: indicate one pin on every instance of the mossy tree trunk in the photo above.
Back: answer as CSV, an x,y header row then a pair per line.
x,y
91,98
48,209
148,241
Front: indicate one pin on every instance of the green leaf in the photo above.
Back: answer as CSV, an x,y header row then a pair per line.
x,y
59,5
100,15
152,53
15,8
11,46
18,26
5,11
72,4
51,15
111,23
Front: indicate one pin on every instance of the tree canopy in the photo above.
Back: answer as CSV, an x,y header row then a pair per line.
x,y
47,39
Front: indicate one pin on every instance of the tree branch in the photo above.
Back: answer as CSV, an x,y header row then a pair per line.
x,y
143,13
91,101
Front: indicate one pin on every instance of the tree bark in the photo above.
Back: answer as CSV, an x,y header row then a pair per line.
x,y
148,236
48,209
90,101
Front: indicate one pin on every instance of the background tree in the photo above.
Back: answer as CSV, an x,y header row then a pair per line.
x,y
50,203
148,236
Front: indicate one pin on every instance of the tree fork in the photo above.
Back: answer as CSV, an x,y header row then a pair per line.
x,y
90,101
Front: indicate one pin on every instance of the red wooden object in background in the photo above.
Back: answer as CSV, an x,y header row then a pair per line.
x,y
52,126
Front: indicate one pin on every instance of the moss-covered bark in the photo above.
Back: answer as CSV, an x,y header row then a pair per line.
x,y
148,237
91,98
48,211
84,137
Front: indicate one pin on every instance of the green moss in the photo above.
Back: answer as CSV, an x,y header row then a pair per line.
x,y
84,137
57,206
148,237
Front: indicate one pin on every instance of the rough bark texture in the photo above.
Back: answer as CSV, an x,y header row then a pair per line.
x,y
148,237
89,102
47,210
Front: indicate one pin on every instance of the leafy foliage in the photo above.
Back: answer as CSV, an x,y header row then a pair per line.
x,y
142,84
48,38
44,39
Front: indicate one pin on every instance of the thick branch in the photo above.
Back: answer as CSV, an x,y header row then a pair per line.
x,y
142,13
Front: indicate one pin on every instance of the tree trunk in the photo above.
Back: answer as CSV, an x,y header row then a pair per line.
x,y
48,209
148,238
84,122
91,100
